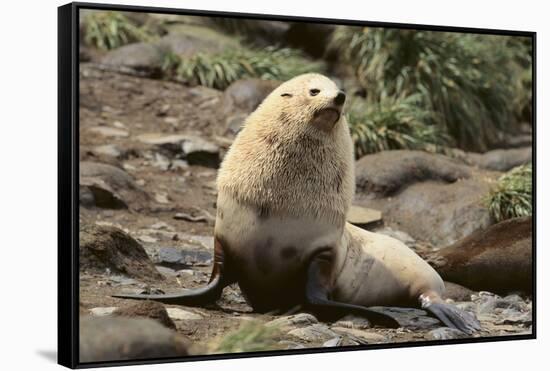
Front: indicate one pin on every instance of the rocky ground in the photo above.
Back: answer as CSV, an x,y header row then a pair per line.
x,y
149,150
149,153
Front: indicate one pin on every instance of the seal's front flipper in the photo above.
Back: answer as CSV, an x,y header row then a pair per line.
x,y
317,297
208,294
450,315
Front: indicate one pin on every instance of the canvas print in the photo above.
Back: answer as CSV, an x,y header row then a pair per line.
x,y
256,185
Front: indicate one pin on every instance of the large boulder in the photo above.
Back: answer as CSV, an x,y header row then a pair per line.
x,y
142,58
117,338
240,99
501,159
103,247
109,187
497,259
147,58
431,197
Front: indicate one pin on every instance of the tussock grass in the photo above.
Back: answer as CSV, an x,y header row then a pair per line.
x,y
475,85
108,30
392,123
250,337
220,70
512,197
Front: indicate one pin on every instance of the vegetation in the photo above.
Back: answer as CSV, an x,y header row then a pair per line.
x,y
474,86
392,123
220,70
251,337
108,30
512,197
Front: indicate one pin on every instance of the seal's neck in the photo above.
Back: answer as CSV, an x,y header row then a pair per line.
x,y
293,174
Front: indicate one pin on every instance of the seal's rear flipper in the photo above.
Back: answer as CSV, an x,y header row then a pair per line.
x,y
219,279
318,302
450,315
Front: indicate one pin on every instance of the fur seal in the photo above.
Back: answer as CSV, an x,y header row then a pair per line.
x,y
284,189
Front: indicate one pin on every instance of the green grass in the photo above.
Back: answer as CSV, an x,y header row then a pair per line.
x,y
250,337
512,197
220,70
108,30
474,85
392,123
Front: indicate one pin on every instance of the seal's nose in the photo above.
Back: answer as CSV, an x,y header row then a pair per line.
x,y
340,98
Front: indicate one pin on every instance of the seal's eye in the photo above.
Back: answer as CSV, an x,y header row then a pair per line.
x,y
286,95
314,92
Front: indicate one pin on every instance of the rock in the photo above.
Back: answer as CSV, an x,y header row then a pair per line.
x,y
363,337
300,319
174,257
496,259
109,132
445,333
351,321
109,150
240,99
142,57
408,186
190,218
501,159
198,151
102,311
361,215
116,338
148,309
314,333
103,247
187,40
109,187
178,314
334,342
385,173
171,142
166,272
457,293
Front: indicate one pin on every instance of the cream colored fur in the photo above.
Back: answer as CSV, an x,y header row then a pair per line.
x,y
282,163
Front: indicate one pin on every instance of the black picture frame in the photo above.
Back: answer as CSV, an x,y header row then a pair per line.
x,y
68,181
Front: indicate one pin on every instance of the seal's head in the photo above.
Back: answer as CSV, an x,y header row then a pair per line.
x,y
294,155
319,100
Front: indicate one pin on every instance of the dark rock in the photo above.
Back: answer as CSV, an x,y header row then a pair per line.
x,y
116,338
385,173
496,259
104,247
198,151
408,186
109,187
148,309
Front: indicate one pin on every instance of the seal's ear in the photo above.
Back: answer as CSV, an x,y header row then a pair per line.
x,y
286,95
